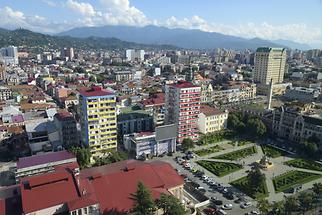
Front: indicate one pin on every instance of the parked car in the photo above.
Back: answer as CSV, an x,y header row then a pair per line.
x,y
216,201
253,213
229,195
227,207
246,205
209,211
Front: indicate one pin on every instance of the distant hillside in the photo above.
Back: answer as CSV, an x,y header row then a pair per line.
x,y
22,37
293,45
190,39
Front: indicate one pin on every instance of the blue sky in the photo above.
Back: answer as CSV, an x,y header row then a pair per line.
x,y
296,20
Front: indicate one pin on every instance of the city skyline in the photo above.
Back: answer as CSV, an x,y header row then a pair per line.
x,y
281,20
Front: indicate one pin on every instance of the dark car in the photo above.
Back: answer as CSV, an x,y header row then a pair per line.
x,y
217,201
209,211
229,196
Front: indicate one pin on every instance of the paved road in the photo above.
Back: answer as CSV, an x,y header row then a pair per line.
x,y
236,207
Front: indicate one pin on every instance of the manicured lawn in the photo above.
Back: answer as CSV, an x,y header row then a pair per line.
x,y
242,153
292,178
215,137
240,143
219,168
207,151
243,184
304,164
272,152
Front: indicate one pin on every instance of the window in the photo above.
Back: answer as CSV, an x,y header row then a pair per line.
x,y
79,211
85,210
74,213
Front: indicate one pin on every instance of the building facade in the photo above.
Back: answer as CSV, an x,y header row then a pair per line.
x,y
160,142
98,120
5,93
182,107
67,128
211,119
290,123
269,65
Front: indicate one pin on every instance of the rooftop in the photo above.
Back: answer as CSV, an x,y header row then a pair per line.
x,y
210,111
43,159
95,91
183,84
111,186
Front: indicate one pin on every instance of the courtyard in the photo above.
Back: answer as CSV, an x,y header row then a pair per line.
x,y
230,161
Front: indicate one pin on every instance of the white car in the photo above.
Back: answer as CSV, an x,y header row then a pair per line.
x,y
227,207
246,205
204,177
253,213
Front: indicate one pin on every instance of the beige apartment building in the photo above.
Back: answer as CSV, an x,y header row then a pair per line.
x,y
269,65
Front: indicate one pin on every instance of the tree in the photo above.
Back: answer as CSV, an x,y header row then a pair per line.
x,y
143,202
306,200
309,148
263,206
170,205
79,70
256,178
256,127
187,143
235,122
317,189
83,156
291,204
278,208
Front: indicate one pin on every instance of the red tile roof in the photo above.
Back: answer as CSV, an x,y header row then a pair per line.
x,y
44,158
156,100
111,186
121,180
47,190
2,207
95,91
183,84
210,111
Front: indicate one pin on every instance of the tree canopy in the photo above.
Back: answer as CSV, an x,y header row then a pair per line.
x,y
143,202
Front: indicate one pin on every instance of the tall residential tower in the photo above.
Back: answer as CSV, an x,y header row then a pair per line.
x,y
98,120
269,65
182,107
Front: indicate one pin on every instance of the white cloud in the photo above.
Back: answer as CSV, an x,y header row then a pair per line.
x,y
83,8
296,32
49,3
121,12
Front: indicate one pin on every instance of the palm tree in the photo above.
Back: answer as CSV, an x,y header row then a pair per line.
x,y
291,204
263,206
306,200
278,208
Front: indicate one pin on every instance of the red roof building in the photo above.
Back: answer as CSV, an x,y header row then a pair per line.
x,y
105,189
95,91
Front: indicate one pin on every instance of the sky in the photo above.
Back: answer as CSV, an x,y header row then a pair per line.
x,y
296,20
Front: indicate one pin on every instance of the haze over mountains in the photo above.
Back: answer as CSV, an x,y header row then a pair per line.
x,y
190,39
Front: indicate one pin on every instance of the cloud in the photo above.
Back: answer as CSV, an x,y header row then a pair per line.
x,y
296,32
121,12
49,3
86,9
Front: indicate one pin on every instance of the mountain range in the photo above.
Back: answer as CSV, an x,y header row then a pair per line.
x,y
189,39
23,37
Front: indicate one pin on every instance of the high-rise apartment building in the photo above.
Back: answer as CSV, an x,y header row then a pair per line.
x,y
98,120
182,107
10,55
135,55
269,65
68,53
2,70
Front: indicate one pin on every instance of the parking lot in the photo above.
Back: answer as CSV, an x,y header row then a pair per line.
x,y
213,190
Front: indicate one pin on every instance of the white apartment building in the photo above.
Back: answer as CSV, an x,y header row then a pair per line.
x,y
269,65
211,119
135,55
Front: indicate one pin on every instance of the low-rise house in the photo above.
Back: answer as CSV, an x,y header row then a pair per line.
x,y
160,142
211,119
43,163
